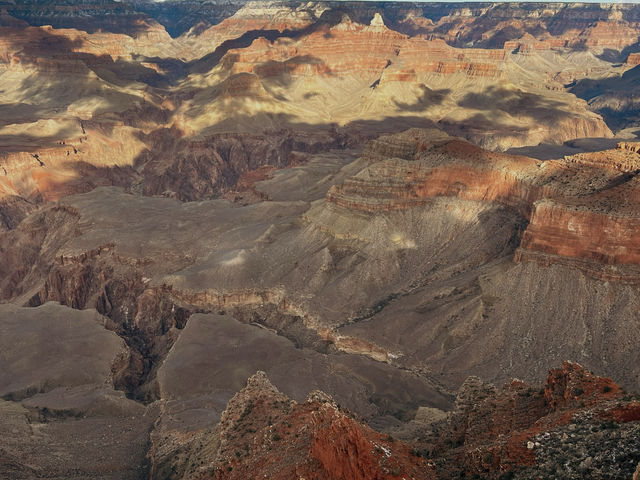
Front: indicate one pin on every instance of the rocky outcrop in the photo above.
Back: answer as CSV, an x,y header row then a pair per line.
x,y
331,50
633,59
77,164
582,232
251,17
625,157
166,163
435,165
396,75
517,429
99,15
571,383
385,295
444,60
262,432
554,26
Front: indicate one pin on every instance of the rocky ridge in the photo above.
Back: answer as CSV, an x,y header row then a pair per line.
x,y
128,88
578,425
316,439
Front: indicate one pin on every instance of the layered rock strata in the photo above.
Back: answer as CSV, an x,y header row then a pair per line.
x,y
582,207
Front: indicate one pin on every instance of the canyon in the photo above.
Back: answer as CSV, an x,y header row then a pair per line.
x,y
320,240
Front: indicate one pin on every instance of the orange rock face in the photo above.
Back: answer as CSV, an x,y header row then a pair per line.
x,y
577,232
633,59
454,168
340,50
419,55
351,48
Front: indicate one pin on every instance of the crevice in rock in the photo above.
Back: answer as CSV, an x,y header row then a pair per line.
x,y
150,318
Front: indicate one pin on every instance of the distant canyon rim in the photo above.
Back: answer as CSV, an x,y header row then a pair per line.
x,y
279,239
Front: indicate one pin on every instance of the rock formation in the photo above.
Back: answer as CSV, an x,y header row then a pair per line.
x,y
568,213
519,430
191,192
569,428
262,432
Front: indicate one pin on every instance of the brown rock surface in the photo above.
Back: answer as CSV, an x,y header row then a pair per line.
x,y
519,430
55,346
60,416
113,85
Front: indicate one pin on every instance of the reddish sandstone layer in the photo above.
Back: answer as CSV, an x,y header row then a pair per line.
x,y
340,50
453,168
578,232
421,56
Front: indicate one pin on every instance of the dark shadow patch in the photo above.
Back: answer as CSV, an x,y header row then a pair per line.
x,y
427,99
616,98
545,151
179,17
516,102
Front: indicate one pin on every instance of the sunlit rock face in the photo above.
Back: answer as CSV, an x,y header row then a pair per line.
x,y
378,207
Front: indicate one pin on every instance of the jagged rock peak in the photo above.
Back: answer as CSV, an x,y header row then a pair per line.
x,y
572,382
377,20
259,389
260,381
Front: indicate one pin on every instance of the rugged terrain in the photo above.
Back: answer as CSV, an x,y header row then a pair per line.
x,y
383,207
